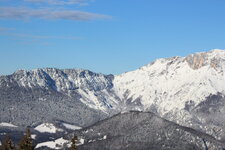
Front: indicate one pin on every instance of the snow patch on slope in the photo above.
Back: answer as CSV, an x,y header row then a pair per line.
x,y
57,144
4,124
47,127
71,127
33,136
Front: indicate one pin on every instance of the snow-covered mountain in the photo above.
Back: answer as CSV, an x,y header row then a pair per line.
x,y
177,88
46,95
169,83
187,90
93,89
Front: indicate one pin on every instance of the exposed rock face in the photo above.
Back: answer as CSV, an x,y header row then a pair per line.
x,y
197,61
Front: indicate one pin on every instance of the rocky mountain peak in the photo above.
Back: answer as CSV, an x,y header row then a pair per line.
x,y
63,79
212,58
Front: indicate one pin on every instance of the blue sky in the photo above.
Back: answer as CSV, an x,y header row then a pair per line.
x,y
107,36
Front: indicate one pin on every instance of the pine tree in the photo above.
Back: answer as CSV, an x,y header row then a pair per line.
x,y
204,141
7,144
73,145
26,142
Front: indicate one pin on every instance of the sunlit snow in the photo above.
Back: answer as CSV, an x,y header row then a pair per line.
x,y
4,124
47,127
71,127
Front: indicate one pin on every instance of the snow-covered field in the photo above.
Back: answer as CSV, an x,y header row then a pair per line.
x,y
56,144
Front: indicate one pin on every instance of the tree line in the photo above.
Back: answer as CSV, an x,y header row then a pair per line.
x,y
26,143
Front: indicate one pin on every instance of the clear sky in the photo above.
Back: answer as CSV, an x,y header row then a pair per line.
x,y
107,36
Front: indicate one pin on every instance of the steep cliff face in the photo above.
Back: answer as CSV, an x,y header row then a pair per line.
x,y
213,58
197,61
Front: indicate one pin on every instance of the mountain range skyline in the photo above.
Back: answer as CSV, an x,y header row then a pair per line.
x,y
106,36
112,74
186,93
22,69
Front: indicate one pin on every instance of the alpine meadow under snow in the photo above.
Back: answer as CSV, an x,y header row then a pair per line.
x,y
189,92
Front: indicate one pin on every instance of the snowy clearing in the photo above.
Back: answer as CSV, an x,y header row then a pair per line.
x,y
47,127
57,144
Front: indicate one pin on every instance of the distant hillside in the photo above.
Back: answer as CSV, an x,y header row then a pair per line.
x,y
143,131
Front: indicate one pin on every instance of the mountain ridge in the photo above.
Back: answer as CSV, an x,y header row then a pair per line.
x,y
142,130
173,88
